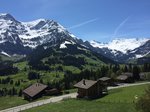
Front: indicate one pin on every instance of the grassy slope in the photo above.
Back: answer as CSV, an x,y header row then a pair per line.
x,y
118,100
91,63
12,58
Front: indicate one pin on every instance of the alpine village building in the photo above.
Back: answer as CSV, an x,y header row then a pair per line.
x,y
125,78
90,89
34,91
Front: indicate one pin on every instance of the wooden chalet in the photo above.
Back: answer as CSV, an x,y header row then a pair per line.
x,y
53,91
106,81
34,91
125,78
144,75
89,89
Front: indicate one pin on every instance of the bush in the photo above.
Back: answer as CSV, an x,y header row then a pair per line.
x,y
143,103
66,92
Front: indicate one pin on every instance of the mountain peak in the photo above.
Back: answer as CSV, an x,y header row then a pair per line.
x,y
7,16
44,24
4,14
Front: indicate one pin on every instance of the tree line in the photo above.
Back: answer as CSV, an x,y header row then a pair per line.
x,y
10,91
111,71
7,68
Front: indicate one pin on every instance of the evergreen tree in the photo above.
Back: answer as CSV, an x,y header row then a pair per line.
x,y
136,71
98,73
130,67
20,93
33,75
11,82
41,81
14,91
125,69
10,92
67,81
146,67
115,68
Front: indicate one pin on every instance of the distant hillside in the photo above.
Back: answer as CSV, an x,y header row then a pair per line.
x,y
75,55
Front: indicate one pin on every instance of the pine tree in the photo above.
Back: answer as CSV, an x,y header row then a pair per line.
x,y
20,93
11,82
14,91
130,67
136,71
125,69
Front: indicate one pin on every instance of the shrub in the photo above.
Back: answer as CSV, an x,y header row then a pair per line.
x,y
143,103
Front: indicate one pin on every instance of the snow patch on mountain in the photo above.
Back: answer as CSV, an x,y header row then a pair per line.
x,y
140,55
81,48
4,53
122,45
63,45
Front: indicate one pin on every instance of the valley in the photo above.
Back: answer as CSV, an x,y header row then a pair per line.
x,y
44,52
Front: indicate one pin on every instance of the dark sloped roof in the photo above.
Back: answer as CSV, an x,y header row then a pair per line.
x,y
104,78
144,73
34,89
85,84
122,77
127,74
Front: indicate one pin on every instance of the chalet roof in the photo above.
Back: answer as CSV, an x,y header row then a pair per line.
x,y
104,78
85,84
122,77
34,89
144,73
127,74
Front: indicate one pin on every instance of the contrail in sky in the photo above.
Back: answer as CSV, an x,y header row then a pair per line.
x,y
83,23
120,26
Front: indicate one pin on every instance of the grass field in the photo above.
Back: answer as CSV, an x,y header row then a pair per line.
x,y
118,100
7,102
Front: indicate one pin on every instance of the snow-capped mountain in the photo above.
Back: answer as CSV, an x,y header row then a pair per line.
x,y
42,31
27,35
122,45
21,38
141,51
122,50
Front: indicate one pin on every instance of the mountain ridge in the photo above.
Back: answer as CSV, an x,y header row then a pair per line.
x,y
23,37
122,44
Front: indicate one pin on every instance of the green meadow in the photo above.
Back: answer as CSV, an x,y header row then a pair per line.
x,y
118,100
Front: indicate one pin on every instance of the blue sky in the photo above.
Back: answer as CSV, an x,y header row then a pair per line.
x,y
101,20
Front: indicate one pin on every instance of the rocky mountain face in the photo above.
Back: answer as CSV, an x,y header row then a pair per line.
x,y
22,38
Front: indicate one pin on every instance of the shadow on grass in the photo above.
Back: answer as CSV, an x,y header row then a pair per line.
x,y
114,91
92,98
